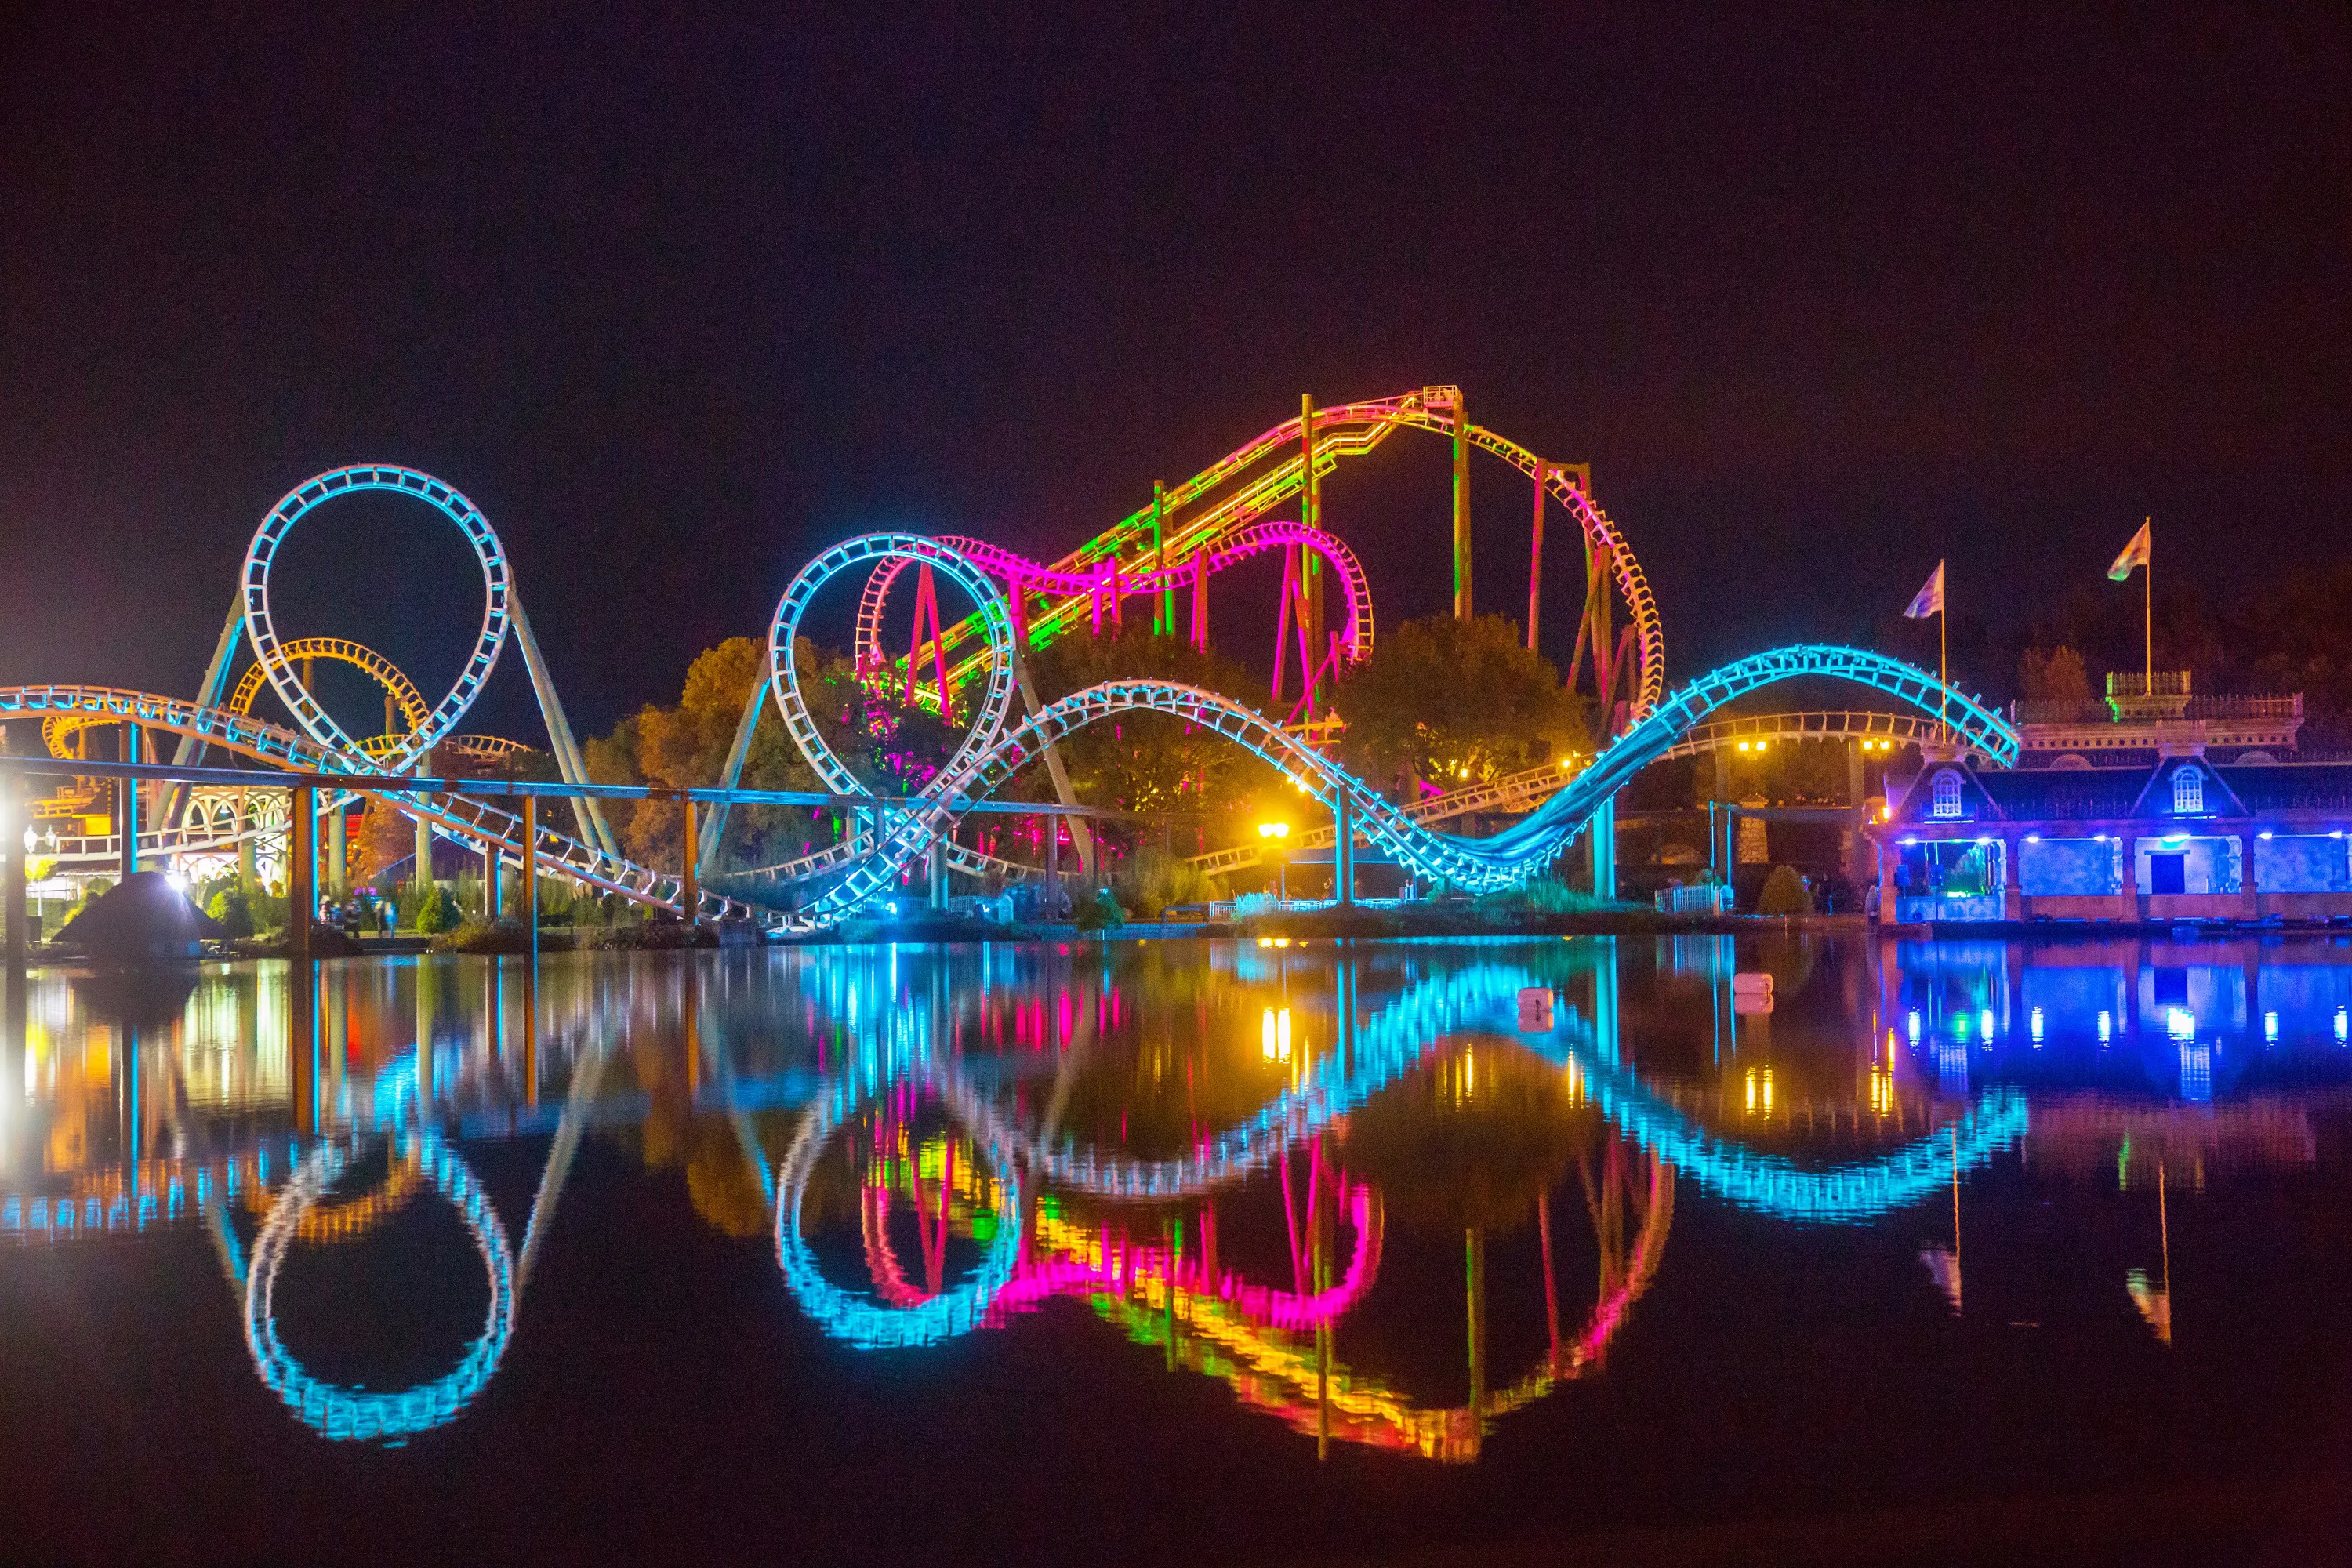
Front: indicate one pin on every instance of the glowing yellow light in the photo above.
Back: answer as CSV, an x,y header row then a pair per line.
x,y
1265,1035
1274,830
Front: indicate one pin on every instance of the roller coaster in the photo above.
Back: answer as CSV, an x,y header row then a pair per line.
x,y
1216,521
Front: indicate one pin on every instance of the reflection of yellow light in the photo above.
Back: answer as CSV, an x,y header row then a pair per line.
x,y
1274,1034
1760,1091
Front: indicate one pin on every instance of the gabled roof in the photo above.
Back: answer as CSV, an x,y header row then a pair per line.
x,y
2156,798
1919,796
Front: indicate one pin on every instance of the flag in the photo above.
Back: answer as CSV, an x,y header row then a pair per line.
x,y
2135,554
1930,599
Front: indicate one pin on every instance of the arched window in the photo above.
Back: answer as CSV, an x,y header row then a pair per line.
x,y
1948,793
2188,792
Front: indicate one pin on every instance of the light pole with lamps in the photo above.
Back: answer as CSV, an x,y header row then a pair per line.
x,y
1274,833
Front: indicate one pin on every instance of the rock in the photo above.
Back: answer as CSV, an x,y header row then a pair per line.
x,y
145,919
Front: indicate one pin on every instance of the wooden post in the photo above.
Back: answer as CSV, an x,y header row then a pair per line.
x,y
530,894
301,873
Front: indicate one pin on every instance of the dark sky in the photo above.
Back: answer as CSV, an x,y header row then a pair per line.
x,y
1822,297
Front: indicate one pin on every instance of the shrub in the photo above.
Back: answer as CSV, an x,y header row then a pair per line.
x,y
1152,879
1784,893
428,909
234,908
1101,913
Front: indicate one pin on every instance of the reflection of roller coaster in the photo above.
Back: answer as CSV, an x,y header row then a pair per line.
x,y
1223,520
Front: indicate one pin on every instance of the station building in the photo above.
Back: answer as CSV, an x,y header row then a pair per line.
x,y
2153,805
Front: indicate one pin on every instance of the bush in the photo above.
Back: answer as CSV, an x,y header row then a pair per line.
x,y
1101,913
234,910
427,910
1152,879
1784,893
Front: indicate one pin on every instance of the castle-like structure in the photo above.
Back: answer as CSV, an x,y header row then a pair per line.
x,y
2157,804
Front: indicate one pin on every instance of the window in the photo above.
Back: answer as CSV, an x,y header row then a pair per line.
x,y
2188,792
1948,793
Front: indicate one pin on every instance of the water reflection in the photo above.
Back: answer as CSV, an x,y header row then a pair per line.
x,y
1271,1166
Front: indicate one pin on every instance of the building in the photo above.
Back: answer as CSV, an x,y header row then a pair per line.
x,y
2167,808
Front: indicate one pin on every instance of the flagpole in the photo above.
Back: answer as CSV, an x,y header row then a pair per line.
x,y
1944,654
2147,616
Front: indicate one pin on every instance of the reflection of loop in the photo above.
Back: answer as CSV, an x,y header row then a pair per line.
x,y
254,582
324,1224
341,1413
862,1323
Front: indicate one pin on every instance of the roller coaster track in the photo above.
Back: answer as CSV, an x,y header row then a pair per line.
x,y
467,818
992,749
1107,583
1253,481
1518,791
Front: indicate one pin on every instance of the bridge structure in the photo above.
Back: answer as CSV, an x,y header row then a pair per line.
x,y
1217,520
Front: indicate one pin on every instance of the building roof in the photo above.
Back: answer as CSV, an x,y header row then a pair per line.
x,y
2065,794
2291,787
2233,791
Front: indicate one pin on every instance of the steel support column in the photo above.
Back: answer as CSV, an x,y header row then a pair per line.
x,y
1462,508
126,815
689,895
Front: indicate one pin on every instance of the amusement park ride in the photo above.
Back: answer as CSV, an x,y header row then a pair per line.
x,y
973,666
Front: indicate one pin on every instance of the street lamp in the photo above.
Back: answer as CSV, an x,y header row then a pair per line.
x,y
1273,832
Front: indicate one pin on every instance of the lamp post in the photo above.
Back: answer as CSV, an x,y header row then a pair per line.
x,y
1274,833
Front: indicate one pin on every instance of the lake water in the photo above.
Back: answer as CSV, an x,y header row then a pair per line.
x,y
1188,1251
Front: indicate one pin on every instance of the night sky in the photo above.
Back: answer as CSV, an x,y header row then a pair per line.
x,y
678,303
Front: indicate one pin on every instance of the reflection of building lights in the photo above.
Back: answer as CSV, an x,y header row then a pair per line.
x,y
1959,1027
1759,1091
2270,1028
2343,1026
1984,1022
2106,1025
1914,1022
2033,1025
2181,1023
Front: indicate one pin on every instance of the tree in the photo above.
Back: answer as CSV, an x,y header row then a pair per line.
x,y
1784,893
1145,762
2052,676
1456,702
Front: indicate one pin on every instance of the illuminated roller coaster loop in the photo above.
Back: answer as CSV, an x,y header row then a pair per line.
x,y
1106,586
1274,468
362,1414
261,631
990,753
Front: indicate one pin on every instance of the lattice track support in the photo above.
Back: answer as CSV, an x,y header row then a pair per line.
x,y
1293,627
594,829
926,613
